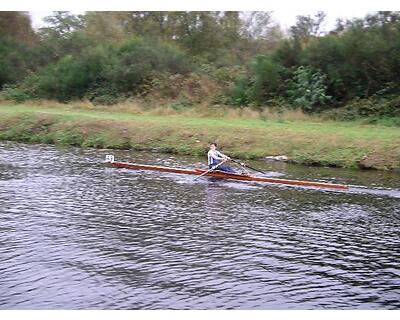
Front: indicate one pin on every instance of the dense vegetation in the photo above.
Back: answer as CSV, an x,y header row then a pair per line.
x,y
240,59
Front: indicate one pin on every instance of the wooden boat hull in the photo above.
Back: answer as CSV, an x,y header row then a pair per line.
x,y
224,175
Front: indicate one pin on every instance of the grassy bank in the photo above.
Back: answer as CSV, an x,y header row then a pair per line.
x,y
304,141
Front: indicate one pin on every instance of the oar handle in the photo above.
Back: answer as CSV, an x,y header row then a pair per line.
x,y
245,165
241,163
212,168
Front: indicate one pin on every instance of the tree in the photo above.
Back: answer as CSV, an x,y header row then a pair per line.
x,y
62,24
262,82
256,24
308,90
307,27
17,39
382,18
201,33
259,32
62,36
17,25
230,24
266,79
106,26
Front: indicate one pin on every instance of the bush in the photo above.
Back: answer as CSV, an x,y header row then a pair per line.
x,y
105,74
372,108
239,94
223,75
192,87
359,58
265,80
105,99
14,93
14,61
103,94
137,60
69,78
307,90
262,82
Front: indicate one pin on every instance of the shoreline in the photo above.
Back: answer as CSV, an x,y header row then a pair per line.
x,y
312,143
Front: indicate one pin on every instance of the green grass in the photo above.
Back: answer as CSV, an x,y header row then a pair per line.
x,y
312,142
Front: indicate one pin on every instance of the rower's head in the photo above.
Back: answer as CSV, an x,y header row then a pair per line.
x,y
213,146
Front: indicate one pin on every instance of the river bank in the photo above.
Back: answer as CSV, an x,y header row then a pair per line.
x,y
322,143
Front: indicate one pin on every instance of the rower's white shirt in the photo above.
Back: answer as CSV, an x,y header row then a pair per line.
x,y
213,155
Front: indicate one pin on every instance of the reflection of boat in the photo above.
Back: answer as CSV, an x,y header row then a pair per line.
x,y
223,175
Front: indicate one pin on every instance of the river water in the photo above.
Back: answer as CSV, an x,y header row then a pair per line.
x,y
76,234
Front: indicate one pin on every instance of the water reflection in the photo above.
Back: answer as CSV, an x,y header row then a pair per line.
x,y
215,193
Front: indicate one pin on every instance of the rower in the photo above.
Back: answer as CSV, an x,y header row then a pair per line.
x,y
215,157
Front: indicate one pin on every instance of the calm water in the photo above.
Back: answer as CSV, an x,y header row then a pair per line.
x,y
75,234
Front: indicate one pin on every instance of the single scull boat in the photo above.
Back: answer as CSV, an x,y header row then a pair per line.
x,y
222,175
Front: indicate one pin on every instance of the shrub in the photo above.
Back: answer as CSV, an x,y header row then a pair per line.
x,y
192,87
239,94
307,90
15,61
14,93
103,94
262,82
265,79
137,60
69,78
370,109
105,74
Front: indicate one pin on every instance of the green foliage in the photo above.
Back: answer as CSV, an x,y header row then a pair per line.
x,y
328,55
14,93
239,93
304,141
262,82
105,74
223,75
307,90
62,24
62,36
307,27
70,138
372,109
67,79
359,62
265,80
15,60
137,60
383,121
16,25
222,57
288,53
180,104
104,95
359,59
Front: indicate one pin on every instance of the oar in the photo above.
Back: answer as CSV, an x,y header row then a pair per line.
x,y
245,165
212,168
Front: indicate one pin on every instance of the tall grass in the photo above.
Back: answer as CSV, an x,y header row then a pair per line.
x,y
198,110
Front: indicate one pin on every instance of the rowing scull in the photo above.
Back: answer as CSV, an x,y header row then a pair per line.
x,y
225,175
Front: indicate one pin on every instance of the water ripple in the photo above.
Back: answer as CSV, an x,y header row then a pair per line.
x,y
78,235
